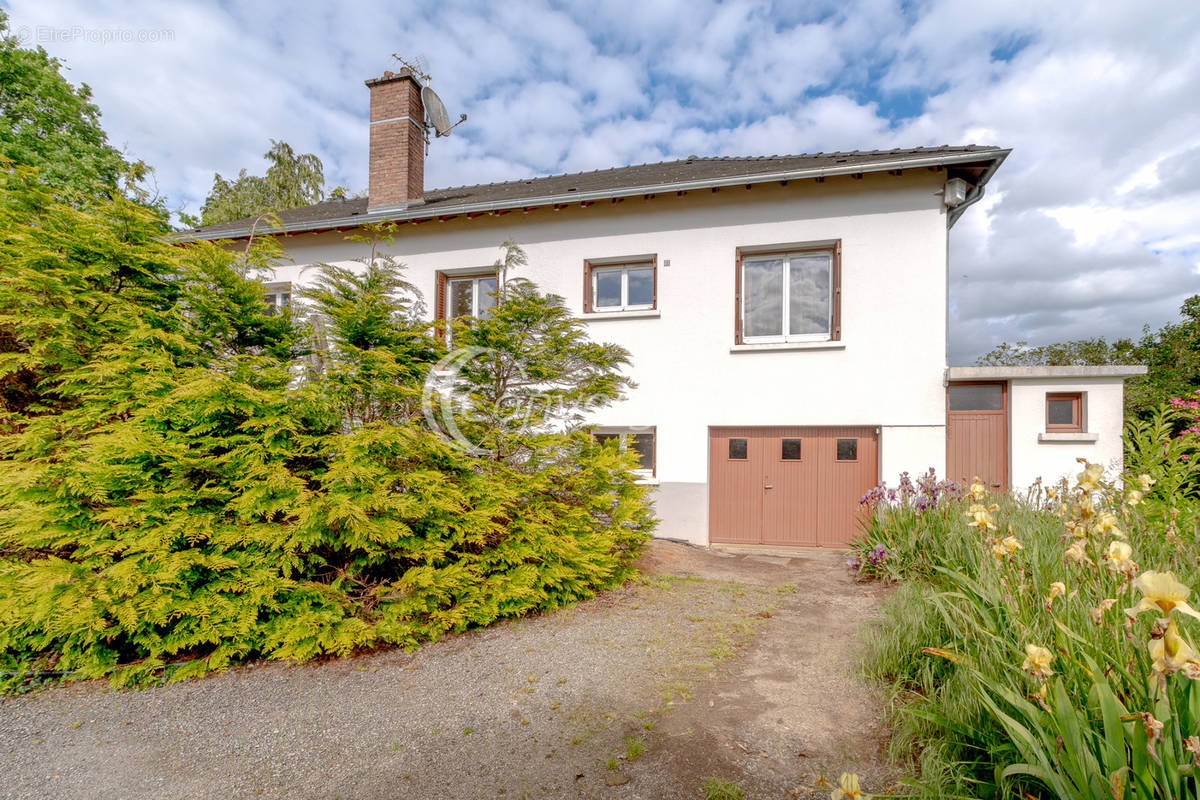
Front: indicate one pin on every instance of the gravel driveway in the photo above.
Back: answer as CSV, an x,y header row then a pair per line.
x,y
715,665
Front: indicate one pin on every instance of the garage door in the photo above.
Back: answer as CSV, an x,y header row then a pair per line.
x,y
789,485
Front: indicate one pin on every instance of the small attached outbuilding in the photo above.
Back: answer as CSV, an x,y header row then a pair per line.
x,y
1011,426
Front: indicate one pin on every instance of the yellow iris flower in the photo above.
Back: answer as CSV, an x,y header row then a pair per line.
x,y
1089,479
978,491
981,517
1107,522
847,788
1117,554
1037,661
1172,651
1145,481
1161,592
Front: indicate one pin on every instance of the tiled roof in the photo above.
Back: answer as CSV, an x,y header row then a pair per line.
x,y
666,175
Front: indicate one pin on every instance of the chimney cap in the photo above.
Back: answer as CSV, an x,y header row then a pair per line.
x,y
389,76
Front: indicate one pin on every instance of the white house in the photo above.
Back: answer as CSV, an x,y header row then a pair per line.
x,y
786,315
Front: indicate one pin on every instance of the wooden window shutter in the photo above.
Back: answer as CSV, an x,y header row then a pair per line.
x,y
737,299
439,305
836,267
587,287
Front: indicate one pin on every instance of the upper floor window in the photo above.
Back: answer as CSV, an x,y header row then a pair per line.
x,y
789,295
628,284
277,296
472,295
1064,412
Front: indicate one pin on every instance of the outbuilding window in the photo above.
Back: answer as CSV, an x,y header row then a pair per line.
x,y
789,295
1064,412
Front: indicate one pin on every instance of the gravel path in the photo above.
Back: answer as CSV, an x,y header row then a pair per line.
x,y
732,666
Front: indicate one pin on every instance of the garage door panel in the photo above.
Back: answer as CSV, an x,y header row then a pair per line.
x,y
737,518
790,504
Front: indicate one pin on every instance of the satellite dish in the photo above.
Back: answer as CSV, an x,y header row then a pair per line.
x,y
435,111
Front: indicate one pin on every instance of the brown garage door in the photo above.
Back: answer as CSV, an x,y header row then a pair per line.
x,y
789,485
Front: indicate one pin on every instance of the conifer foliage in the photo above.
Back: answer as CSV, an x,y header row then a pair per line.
x,y
188,480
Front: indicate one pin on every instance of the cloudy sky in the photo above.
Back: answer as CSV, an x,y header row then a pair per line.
x,y
1092,226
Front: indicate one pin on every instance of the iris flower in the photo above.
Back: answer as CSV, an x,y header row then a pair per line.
x,y
1161,592
847,788
1037,661
1089,479
1172,651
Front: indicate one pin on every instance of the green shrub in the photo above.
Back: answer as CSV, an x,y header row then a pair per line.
x,y
186,483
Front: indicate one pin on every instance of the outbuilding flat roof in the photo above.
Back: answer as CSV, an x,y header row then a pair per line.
x,y
1036,372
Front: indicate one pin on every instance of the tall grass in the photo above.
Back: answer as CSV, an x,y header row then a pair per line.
x,y
1012,664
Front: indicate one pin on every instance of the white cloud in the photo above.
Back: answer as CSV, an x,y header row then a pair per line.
x,y
1090,227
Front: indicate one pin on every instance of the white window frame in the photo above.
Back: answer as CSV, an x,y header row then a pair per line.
x,y
273,294
475,293
624,270
785,298
623,435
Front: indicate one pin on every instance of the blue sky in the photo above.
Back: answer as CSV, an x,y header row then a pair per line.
x,y
1091,228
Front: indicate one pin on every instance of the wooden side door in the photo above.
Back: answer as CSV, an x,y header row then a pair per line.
x,y
977,432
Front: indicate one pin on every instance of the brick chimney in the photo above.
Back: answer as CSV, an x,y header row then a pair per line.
x,y
397,157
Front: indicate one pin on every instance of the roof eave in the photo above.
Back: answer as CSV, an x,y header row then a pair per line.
x,y
995,156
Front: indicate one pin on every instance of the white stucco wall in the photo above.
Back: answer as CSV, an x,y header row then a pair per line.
x,y
886,371
1103,420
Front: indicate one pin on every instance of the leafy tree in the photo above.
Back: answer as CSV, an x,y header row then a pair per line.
x,y
46,122
1081,352
536,368
291,181
374,349
1171,355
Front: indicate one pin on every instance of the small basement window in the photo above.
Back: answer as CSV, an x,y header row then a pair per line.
x,y
1064,412
638,440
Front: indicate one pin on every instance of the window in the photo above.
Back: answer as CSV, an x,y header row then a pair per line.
x,y
277,296
737,449
789,450
1064,412
847,449
469,296
976,396
792,295
626,284
638,440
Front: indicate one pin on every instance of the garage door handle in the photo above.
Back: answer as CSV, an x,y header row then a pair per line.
x,y
768,486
